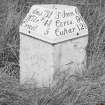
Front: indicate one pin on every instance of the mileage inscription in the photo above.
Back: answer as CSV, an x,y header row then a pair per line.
x,y
64,22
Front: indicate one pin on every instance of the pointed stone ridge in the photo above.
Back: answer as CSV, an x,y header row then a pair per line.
x,y
54,23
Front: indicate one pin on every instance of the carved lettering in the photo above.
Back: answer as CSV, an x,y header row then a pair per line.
x,y
63,23
30,27
64,31
64,14
37,12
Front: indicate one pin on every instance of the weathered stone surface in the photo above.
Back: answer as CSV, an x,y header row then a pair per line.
x,y
42,55
54,23
36,61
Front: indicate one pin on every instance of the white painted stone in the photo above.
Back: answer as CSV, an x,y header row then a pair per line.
x,y
36,61
43,50
54,23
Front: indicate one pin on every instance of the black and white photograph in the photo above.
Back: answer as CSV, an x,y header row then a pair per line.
x,y
52,52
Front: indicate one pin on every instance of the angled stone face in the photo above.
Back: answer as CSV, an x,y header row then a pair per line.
x,y
54,23
52,39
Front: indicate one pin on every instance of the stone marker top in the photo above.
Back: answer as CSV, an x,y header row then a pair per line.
x,y
54,23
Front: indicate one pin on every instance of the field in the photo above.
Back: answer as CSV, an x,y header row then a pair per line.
x,y
85,89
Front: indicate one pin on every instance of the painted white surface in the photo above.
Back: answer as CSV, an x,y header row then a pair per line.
x,y
39,60
54,23
71,54
36,61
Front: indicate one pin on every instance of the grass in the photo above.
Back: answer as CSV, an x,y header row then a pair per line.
x,y
74,90
85,89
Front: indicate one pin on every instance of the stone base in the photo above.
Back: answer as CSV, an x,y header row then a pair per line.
x,y
40,60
